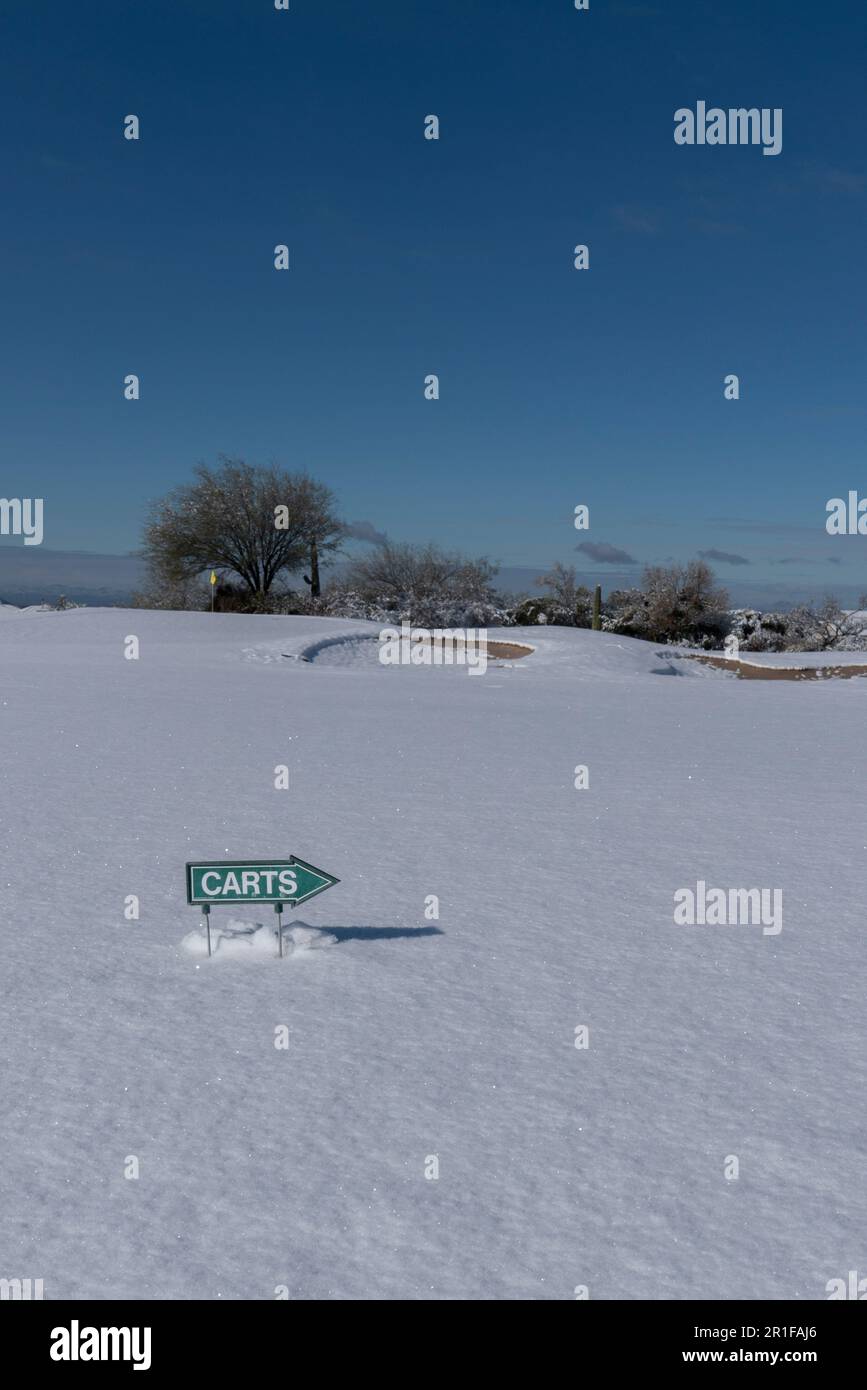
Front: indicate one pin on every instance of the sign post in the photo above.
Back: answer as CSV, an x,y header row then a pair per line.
x,y
224,883
213,583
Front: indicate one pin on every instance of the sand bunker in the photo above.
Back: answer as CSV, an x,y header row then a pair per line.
x,y
364,649
500,651
748,671
507,651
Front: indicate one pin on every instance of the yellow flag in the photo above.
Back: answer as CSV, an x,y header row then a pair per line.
x,y
213,576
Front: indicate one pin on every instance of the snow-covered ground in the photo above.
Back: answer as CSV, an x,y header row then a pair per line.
x,y
410,1038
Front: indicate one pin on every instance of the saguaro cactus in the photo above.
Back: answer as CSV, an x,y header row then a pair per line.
x,y
312,579
597,608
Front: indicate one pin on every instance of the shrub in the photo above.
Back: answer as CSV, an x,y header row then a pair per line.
x,y
547,609
822,627
427,586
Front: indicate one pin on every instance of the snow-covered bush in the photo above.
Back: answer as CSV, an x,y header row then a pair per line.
x,y
569,605
685,604
172,594
759,632
680,604
543,610
423,584
825,627
424,611
625,611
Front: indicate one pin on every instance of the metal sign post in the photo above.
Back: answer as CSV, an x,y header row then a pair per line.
x,y
278,881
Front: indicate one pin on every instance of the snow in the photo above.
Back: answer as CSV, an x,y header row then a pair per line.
x,y
409,1038
9,610
240,940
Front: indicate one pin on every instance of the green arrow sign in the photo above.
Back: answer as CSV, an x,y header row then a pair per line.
x,y
255,881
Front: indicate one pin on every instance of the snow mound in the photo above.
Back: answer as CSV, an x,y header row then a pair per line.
x,y
237,940
11,610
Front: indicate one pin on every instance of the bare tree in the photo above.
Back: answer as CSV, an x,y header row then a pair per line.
x,y
560,579
256,523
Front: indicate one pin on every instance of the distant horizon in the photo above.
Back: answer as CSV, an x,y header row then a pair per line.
x,y
105,580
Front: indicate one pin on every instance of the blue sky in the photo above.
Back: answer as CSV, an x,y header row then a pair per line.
x,y
455,257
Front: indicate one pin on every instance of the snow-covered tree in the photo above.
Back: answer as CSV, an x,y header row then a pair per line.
x,y
254,524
